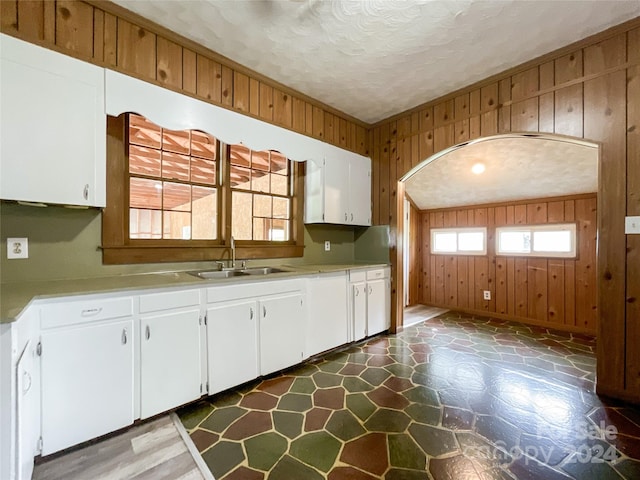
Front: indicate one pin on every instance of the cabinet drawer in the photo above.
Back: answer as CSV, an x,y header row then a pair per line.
x,y
357,275
376,273
83,311
168,300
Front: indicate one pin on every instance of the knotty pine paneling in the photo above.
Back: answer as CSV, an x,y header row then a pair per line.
x,y
108,35
539,291
585,90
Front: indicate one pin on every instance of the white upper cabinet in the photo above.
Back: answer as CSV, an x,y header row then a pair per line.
x,y
338,190
52,127
360,191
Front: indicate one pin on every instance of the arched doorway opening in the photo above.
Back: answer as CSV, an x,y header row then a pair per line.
x,y
528,179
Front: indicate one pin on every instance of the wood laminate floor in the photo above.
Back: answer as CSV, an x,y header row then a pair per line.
x,y
154,450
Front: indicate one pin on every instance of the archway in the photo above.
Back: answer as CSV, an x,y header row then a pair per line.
x,y
533,165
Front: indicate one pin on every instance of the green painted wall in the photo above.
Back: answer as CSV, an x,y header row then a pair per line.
x,y
64,243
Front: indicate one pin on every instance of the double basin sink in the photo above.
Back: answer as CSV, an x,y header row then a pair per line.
x,y
218,274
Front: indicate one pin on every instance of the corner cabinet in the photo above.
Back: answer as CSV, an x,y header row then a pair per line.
x,y
52,127
338,190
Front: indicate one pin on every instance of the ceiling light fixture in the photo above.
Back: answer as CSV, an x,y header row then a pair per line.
x,y
478,168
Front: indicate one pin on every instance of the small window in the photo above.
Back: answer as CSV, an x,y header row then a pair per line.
x,y
537,240
459,241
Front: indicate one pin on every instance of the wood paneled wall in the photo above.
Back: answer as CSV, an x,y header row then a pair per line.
x,y
589,90
107,35
558,293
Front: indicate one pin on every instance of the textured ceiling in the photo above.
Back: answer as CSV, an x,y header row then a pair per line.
x,y
516,169
374,58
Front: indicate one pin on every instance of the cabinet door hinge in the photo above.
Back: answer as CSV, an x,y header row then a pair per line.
x,y
39,349
39,447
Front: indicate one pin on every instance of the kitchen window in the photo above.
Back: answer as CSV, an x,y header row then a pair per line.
x,y
173,182
175,196
261,195
459,241
537,241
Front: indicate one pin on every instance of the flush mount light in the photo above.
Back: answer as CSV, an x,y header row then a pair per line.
x,y
478,168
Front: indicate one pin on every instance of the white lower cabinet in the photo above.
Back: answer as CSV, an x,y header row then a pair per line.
x,y
370,300
378,313
170,358
232,340
327,325
281,331
169,361
87,382
358,295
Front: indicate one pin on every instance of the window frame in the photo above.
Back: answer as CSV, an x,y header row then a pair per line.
x,y
458,230
571,227
291,187
118,248
171,241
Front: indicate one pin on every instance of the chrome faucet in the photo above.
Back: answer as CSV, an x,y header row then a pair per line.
x,y
233,252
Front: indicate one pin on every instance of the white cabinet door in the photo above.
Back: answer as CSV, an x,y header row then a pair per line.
x,y
360,191
87,382
26,426
169,361
281,329
232,341
359,310
378,301
336,190
327,325
52,127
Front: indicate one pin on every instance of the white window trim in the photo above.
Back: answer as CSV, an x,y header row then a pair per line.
x,y
571,227
482,230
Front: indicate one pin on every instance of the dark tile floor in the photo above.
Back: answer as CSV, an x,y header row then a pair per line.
x,y
455,397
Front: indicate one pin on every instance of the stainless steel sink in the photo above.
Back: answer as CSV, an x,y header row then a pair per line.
x,y
212,274
262,270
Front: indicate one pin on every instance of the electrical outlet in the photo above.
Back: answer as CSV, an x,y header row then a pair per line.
x,y
487,295
327,246
632,225
17,248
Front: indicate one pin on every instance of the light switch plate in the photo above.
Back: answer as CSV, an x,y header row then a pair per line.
x,y
632,225
17,248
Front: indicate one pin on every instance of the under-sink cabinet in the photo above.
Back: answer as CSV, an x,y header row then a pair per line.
x,y
86,353
252,330
232,338
171,325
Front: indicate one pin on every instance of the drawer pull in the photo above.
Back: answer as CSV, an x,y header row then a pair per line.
x,y
90,312
124,336
147,332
